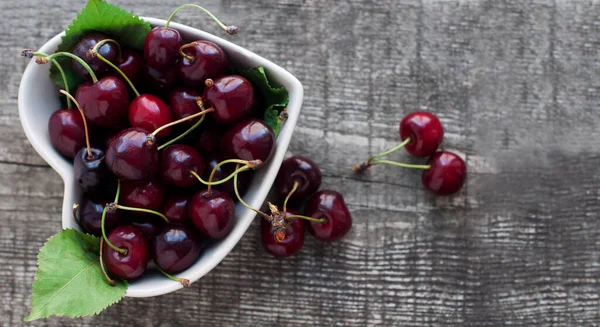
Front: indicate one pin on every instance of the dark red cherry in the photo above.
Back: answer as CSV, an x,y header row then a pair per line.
x,y
132,155
212,213
90,216
82,50
183,104
90,172
425,132
176,162
176,248
67,133
298,169
446,174
292,242
231,97
149,112
132,65
133,263
105,103
161,47
209,140
331,205
175,208
223,171
148,195
207,60
250,139
160,80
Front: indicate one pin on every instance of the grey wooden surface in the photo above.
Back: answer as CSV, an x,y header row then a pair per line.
x,y
517,87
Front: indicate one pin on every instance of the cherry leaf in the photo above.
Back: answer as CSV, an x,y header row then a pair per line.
x,y
69,280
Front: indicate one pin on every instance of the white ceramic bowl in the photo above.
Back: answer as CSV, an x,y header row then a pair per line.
x,y
38,98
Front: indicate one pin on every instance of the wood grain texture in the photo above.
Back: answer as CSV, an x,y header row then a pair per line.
x,y
516,84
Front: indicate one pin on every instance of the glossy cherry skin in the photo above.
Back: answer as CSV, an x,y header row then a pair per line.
x,y
132,65
89,171
210,61
149,112
176,248
231,97
298,169
67,133
209,140
176,162
105,103
243,178
446,174
150,225
331,205
90,216
425,131
161,47
82,50
183,104
212,213
148,195
131,264
292,242
131,156
160,80
175,208
250,139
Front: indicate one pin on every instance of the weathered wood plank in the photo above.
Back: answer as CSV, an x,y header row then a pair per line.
x,y
516,84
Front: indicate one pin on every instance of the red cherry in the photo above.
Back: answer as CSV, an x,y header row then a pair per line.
x,y
330,205
82,50
298,169
292,242
183,104
133,263
202,60
67,133
209,140
425,132
177,161
160,80
250,139
149,195
231,97
131,64
132,155
161,47
176,247
446,175
104,103
149,112
213,213
175,208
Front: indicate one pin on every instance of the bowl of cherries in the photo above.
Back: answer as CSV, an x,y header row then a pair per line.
x,y
164,148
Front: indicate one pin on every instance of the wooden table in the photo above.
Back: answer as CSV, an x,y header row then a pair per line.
x,y
517,86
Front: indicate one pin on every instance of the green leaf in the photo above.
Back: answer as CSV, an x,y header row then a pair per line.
x,y
99,16
69,281
275,96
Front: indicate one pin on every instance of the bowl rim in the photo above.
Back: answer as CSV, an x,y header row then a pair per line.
x,y
260,186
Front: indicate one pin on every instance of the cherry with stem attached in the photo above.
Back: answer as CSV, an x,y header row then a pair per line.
x,y
161,46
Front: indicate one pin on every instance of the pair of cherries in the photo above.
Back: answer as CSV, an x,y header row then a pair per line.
x,y
421,134
326,215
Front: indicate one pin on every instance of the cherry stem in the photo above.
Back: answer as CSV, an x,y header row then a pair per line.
x,y
85,127
185,55
182,281
60,70
106,61
201,113
368,163
108,242
399,164
75,207
231,30
238,161
244,168
70,55
316,220
110,281
184,134
294,188
237,194
118,192
122,207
